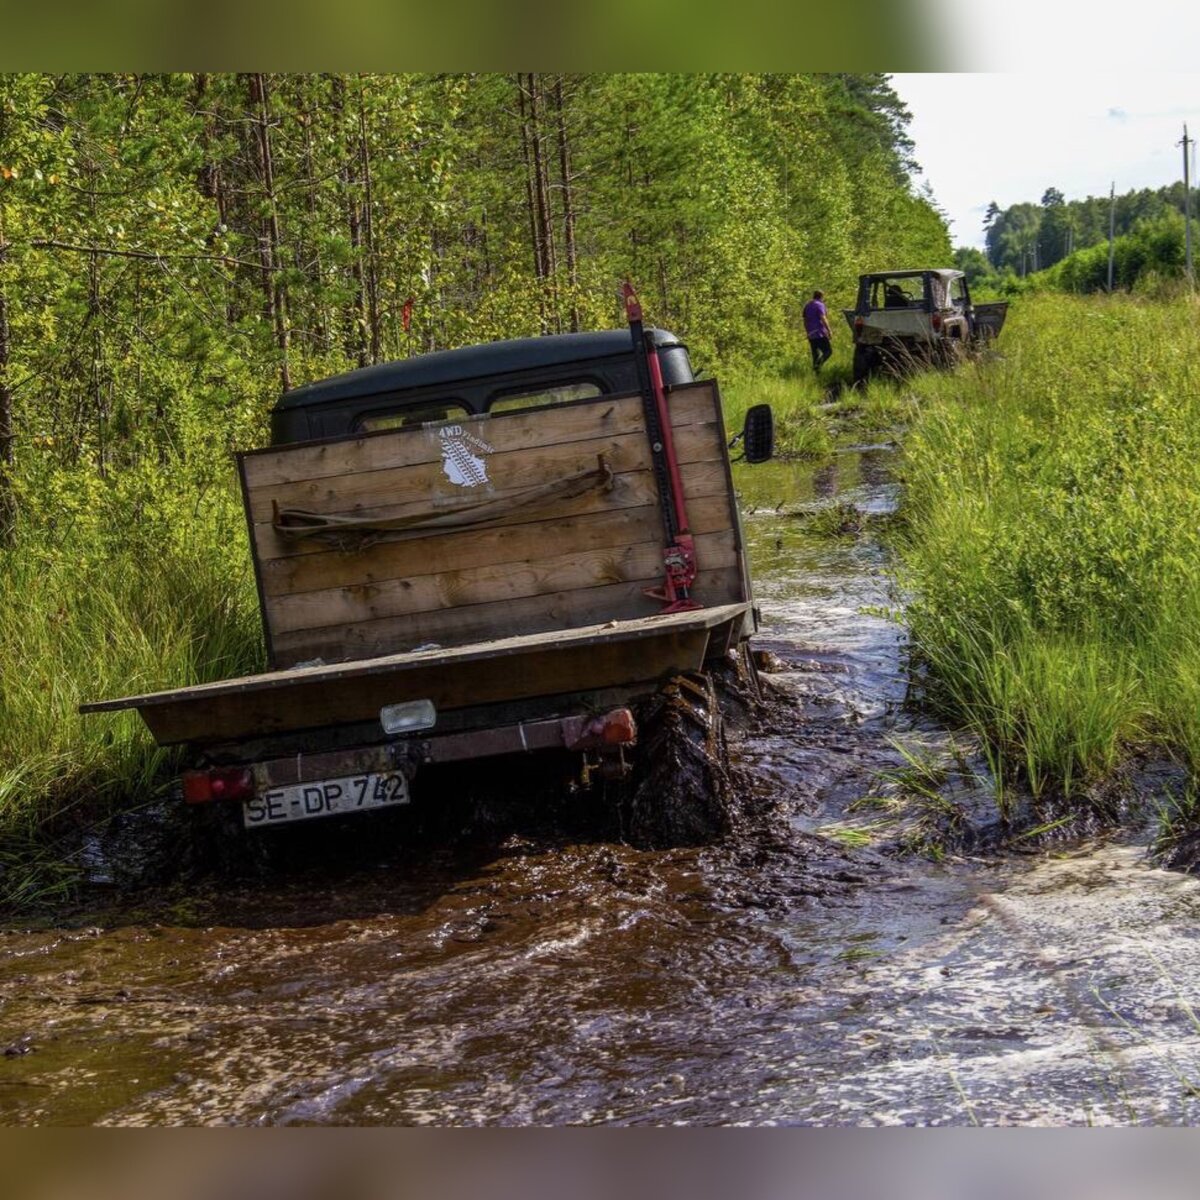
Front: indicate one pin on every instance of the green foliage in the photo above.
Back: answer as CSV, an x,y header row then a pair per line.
x,y
105,607
1025,238
1144,259
975,265
801,429
726,198
1051,551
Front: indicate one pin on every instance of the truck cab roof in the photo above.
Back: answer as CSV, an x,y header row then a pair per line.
x,y
527,372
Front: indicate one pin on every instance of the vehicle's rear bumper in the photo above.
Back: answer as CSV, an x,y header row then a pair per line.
x,y
604,732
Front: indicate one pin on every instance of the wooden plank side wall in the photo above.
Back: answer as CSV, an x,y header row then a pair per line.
x,y
562,565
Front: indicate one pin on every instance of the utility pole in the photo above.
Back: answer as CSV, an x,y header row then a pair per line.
x,y
1187,205
1112,228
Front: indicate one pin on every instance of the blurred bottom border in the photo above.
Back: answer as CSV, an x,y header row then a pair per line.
x,y
599,1164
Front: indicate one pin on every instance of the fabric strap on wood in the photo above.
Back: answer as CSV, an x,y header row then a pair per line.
x,y
357,533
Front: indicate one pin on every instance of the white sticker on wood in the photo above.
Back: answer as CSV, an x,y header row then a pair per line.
x,y
463,456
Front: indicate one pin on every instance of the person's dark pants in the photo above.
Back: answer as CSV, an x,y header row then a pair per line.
x,y
821,350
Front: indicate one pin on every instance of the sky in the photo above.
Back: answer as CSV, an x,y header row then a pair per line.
x,y
1008,137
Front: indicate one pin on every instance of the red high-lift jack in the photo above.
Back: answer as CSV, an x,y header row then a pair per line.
x,y
679,554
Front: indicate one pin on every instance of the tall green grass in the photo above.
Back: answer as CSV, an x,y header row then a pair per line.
x,y
112,599
811,408
1052,545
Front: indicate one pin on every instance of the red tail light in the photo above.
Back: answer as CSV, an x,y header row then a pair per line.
x,y
858,324
616,728
937,320
218,783
619,728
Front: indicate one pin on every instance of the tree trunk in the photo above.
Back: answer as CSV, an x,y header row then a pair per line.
x,y
210,180
541,175
96,387
320,334
372,267
274,289
542,189
485,247
568,203
535,234
432,286
630,130
356,343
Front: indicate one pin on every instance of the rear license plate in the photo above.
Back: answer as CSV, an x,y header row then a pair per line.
x,y
325,798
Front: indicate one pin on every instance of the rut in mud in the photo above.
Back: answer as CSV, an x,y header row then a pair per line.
x,y
808,968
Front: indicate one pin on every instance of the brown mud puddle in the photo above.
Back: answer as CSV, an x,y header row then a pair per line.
x,y
794,974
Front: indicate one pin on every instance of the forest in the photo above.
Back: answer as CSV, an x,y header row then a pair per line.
x,y
1063,243
1031,237
177,250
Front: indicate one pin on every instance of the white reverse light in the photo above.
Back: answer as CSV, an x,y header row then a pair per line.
x,y
408,717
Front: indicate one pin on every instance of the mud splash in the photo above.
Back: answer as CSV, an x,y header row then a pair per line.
x,y
802,971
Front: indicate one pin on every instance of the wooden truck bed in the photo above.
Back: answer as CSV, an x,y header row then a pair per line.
x,y
564,563
471,562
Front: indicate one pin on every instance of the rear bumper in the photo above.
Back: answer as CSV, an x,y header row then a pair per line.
x,y
605,732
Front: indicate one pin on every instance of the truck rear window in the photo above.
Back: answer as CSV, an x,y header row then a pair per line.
x,y
904,292
411,414
559,393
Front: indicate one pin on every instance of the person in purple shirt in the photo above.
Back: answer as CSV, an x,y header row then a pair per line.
x,y
816,325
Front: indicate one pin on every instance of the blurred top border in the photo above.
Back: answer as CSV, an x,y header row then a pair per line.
x,y
569,35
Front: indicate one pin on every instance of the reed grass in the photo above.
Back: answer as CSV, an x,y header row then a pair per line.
x,y
1051,544
98,611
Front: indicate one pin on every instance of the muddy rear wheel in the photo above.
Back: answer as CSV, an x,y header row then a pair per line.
x,y
679,794
864,364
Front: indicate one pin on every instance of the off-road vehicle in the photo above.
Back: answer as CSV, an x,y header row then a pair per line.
x,y
530,546
904,319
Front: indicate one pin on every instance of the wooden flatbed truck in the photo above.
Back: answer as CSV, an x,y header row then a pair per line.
x,y
511,548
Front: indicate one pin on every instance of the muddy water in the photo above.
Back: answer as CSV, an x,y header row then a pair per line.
x,y
785,977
